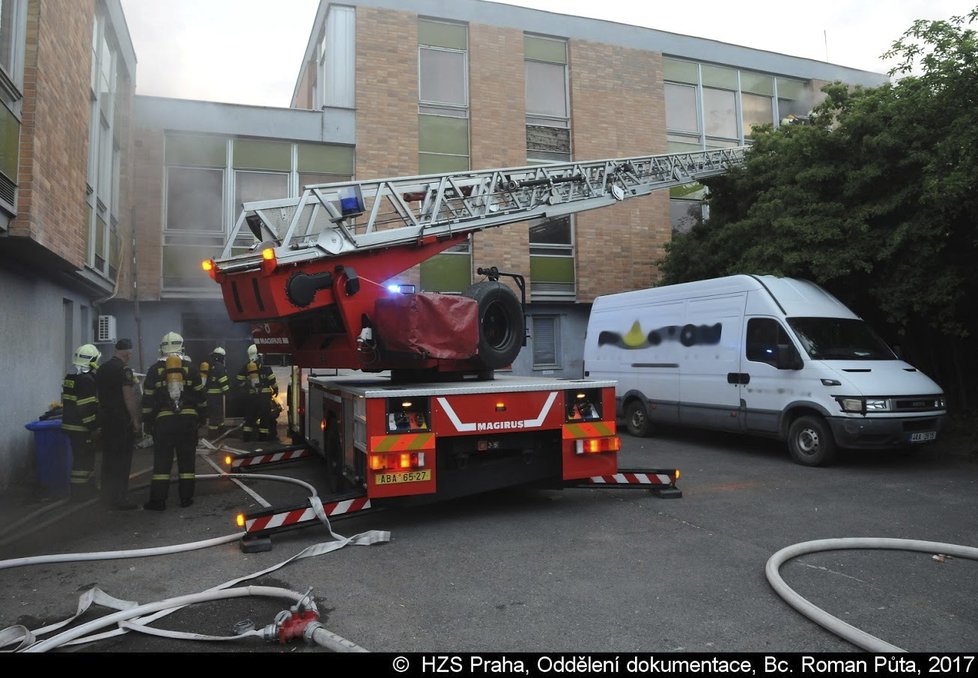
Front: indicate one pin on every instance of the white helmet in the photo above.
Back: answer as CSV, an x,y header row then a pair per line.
x,y
252,352
172,343
85,356
219,351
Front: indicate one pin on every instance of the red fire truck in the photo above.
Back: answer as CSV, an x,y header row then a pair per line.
x,y
420,413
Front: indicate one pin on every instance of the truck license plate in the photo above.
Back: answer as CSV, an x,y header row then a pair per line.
x,y
922,436
403,477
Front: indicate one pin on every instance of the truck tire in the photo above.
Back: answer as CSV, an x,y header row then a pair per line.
x,y
637,419
501,325
810,441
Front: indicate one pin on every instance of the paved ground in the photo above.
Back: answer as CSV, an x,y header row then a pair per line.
x,y
527,570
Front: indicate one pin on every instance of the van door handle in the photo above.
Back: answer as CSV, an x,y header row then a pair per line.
x,y
738,378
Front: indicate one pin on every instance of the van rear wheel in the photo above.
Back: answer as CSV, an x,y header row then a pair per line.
x,y
637,419
810,441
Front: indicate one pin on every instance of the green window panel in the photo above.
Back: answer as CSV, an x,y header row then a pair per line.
x,y
100,229
262,155
680,71
757,83
9,143
790,89
441,34
440,164
686,190
718,76
446,273
551,269
439,134
683,145
115,250
544,49
196,150
181,266
89,241
326,159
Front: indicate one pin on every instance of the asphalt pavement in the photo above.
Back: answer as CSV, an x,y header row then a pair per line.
x,y
525,570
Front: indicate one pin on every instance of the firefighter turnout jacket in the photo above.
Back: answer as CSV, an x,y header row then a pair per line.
x,y
79,398
173,389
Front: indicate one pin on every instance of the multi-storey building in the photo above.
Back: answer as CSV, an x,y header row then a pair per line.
x,y
66,86
386,88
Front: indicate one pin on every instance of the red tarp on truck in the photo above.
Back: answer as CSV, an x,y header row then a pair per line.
x,y
428,324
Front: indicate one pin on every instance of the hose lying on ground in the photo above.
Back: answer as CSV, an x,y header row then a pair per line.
x,y
846,631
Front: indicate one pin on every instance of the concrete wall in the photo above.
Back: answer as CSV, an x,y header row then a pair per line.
x,y
35,359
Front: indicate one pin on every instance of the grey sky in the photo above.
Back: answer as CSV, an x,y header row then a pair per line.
x,y
250,51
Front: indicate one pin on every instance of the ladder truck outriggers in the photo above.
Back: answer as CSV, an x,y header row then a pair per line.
x,y
425,417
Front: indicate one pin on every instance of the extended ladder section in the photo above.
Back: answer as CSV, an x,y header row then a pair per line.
x,y
333,220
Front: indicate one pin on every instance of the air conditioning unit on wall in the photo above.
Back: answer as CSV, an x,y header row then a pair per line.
x,y
105,332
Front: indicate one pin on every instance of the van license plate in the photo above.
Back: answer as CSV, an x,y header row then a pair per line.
x,y
923,436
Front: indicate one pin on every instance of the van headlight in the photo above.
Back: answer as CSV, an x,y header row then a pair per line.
x,y
863,405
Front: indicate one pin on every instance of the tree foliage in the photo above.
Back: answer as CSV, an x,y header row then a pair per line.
x,y
876,199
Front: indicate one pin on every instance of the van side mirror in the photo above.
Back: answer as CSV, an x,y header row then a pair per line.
x,y
788,358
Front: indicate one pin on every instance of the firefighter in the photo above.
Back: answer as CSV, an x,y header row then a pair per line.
x,y
173,406
120,421
216,387
258,387
79,420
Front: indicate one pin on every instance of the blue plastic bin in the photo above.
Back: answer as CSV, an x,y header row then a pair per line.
x,y
53,458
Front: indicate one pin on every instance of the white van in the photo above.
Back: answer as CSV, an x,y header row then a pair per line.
x,y
762,355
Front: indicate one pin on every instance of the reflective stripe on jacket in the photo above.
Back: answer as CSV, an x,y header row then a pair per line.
x,y
79,398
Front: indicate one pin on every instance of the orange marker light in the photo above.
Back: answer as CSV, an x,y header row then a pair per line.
x,y
239,520
207,265
268,254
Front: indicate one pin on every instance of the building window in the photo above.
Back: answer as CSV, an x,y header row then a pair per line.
x,y
443,97
548,139
252,186
552,273
194,201
710,106
685,213
443,68
546,349
547,103
13,36
681,110
336,79
443,133
103,245
13,32
209,177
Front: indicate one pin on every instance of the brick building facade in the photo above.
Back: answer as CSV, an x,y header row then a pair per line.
x,y
108,201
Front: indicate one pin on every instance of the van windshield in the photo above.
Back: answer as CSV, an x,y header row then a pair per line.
x,y
840,339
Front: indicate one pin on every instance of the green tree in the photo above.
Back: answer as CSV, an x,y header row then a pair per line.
x,y
876,199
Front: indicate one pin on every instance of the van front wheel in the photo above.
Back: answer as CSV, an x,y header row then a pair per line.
x,y
637,419
810,441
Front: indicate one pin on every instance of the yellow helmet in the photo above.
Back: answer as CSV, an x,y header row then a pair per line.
x,y
86,355
172,343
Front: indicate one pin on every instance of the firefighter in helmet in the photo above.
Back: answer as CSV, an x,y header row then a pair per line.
x,y
173,406
213,373
258,387
79,420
